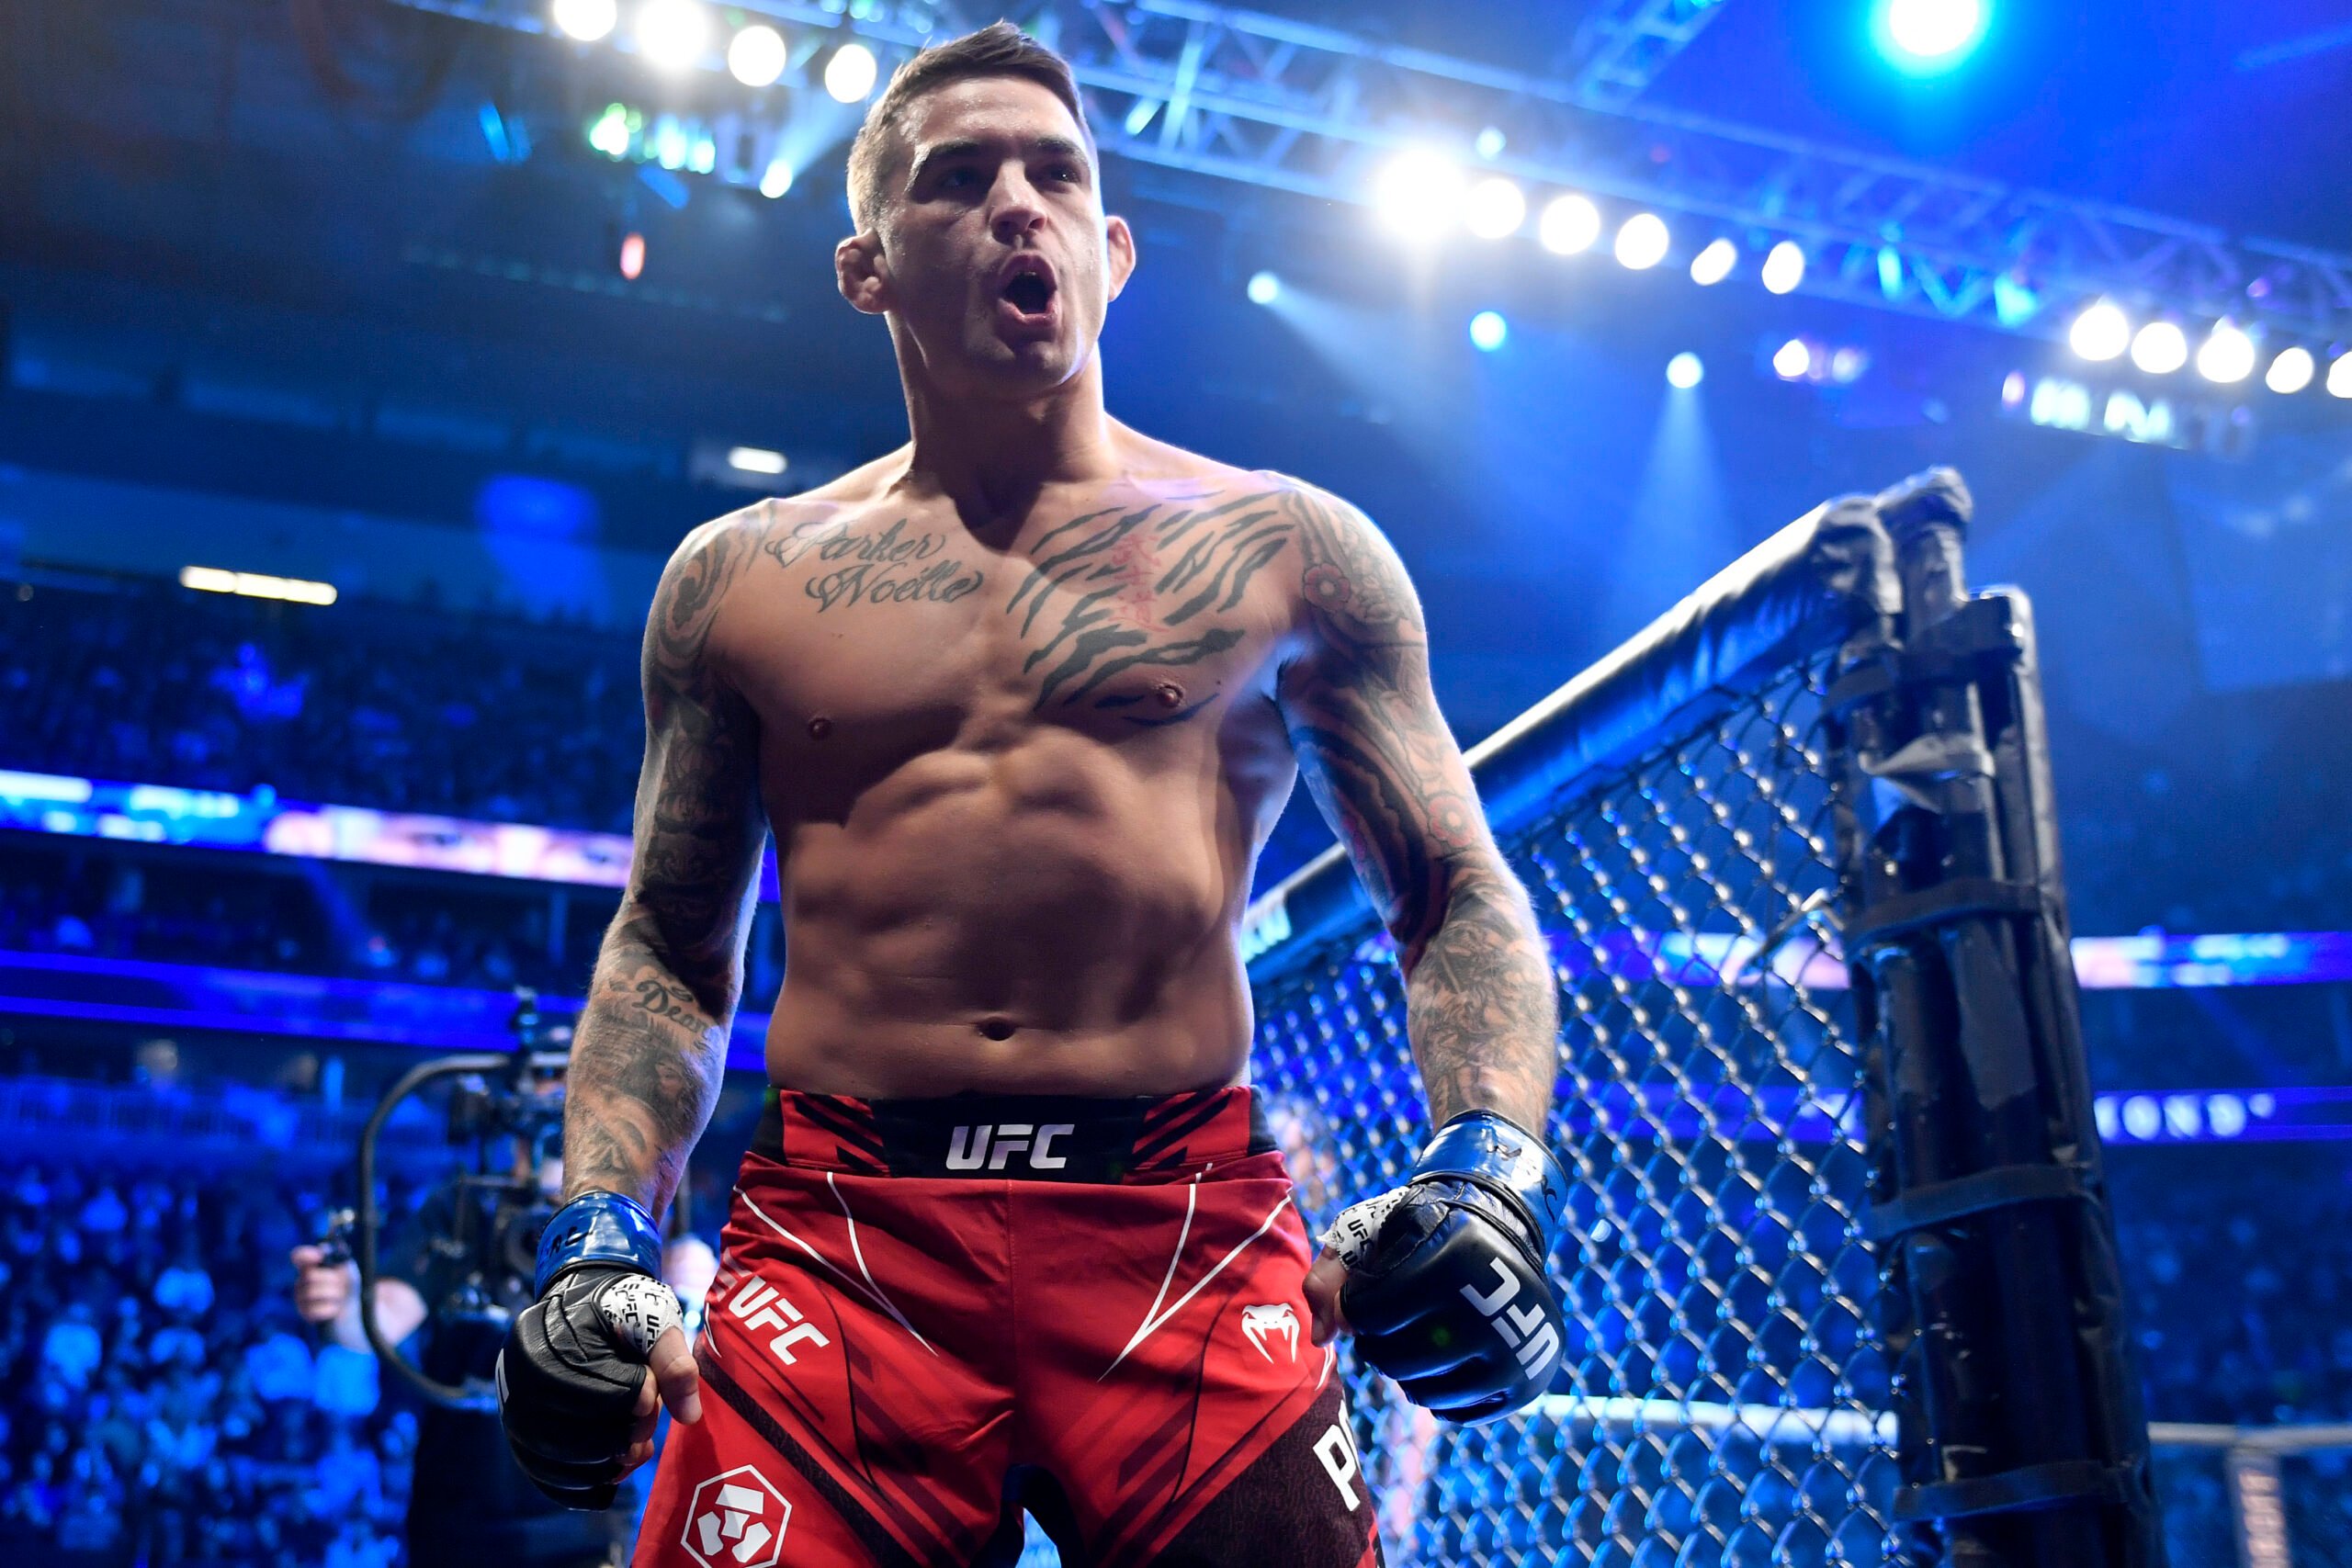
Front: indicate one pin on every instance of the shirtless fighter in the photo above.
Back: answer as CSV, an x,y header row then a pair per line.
x,y
1020,702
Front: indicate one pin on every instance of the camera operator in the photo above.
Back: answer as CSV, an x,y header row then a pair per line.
x,y
469,1504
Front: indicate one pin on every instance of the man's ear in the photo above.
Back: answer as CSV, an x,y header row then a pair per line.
x,y
1120,242
862,274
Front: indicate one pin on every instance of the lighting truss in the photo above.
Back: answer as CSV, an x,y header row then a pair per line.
x,y
1238,95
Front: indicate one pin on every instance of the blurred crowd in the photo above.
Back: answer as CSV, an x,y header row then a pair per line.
x,y
356,705
159,1401
245,915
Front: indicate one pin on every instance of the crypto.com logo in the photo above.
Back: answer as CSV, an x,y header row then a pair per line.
x,y
737,1520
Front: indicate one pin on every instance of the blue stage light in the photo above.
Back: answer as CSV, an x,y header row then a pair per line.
x,y
1926,37
1265,288
1685,370
1487,329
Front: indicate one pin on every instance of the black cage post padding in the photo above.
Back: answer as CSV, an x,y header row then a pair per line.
x,y
1839,1275
1990,1198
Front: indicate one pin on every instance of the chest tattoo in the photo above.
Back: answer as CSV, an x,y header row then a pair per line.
x,y
892,567
1152,586
1155,587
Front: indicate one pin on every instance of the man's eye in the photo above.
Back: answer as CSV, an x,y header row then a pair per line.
x,y
1070,171
955,179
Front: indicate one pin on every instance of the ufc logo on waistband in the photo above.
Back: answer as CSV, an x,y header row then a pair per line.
x,y
990,1148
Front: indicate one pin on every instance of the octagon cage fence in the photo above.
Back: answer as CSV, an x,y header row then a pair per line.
x,y
1841,1277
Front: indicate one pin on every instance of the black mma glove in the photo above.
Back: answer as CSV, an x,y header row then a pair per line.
x,y
1446,1289
574,1360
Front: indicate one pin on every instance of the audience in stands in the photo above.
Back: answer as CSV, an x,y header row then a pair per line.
x,y
353,705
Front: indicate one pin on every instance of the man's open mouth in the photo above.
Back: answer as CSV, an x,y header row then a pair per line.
x,y
1030,294
1029,285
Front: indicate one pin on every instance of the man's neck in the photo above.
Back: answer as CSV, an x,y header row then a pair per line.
x,y
992,458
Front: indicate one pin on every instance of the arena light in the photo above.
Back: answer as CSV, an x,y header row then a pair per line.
x,y
1418,193
1925,37
756,56
586,20
2227,354
2339,376
1489,331
1792,360
1685,370
672,34
1265,288
1494,209
2101,332
1713,265
1642,242
631,258
775,179
2160,348
610,133
1571,223
1784,266
2291,371
257,585
1490,144
849,75
757,459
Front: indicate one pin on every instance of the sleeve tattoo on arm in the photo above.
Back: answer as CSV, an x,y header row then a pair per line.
x,y
651,1042
1480,1001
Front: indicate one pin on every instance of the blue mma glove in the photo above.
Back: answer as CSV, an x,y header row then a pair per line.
x,y
574,1360
1446,1290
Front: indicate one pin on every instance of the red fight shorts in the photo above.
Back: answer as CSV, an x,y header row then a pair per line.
x,y
930,1315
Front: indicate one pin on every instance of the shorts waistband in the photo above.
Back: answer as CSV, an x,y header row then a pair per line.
x,y
1027,1137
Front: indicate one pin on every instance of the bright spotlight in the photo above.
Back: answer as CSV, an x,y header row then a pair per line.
x,y
2227,355
1571,223
2160,348
1418,194
756,56
1265,288
2339,376
1490,144
1924,37
1793,360
1487,329
849,75
1494,209
1784,266
2101,332
2291,371
586,20
1642,241
631,259
673,33
1685,371
1713,265
775,179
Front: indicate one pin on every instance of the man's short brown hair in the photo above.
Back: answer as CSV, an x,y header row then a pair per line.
x,y
998,49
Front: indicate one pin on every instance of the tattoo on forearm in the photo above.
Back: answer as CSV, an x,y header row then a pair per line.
x,y
1481,1007
651,1042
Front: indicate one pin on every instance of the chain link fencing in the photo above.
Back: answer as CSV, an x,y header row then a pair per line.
x,y
1726,1397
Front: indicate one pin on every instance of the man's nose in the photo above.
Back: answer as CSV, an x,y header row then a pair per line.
x,y
1018,212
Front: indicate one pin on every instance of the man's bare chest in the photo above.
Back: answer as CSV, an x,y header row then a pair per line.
x,y
1140,614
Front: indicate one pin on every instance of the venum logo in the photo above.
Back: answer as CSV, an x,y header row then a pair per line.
x,y
1274,1320
737,1520
989,1147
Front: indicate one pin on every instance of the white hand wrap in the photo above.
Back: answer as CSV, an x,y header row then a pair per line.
x,y
1350,1236
637,1311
